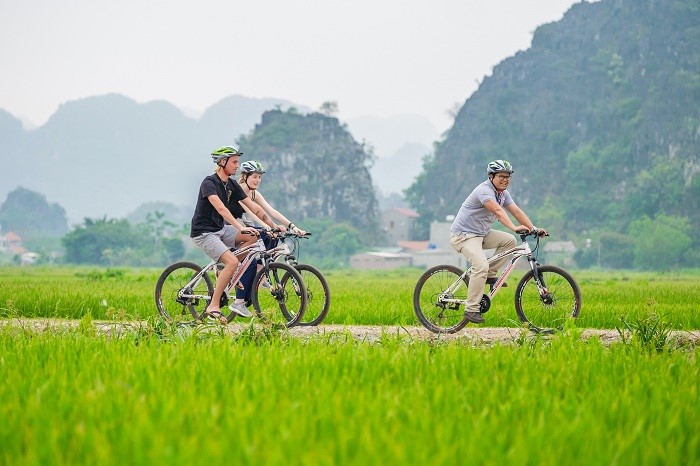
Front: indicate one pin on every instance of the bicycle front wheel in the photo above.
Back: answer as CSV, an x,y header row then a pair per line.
x,y
176,301
318,295
560,300
279,295
433,304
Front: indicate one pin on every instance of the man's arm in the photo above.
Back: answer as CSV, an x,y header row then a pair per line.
x,y
520,216
500,214
524,220
226,214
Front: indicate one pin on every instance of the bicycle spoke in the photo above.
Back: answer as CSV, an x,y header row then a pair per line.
x,y
317,292
284,302
177,303
429,300
550,310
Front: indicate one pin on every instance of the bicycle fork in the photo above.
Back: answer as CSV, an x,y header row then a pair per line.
x,y
545,296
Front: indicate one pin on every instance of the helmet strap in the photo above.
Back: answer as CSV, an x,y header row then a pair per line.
x,y
491,177
223,167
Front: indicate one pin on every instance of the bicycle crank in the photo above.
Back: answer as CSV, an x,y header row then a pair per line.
x,y
485,304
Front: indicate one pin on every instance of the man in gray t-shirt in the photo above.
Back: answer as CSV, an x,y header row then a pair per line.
x,y
471,231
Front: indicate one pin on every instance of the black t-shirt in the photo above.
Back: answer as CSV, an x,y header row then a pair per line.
x,y
206,219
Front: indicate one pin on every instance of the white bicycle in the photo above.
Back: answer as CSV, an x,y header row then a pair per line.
x,y
545,297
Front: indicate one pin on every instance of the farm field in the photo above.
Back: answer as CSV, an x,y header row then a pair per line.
x,y
358,297
163,395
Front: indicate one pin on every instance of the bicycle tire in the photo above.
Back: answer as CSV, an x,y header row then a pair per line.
x,y
432,314
182,310
549,313
284,302
318,295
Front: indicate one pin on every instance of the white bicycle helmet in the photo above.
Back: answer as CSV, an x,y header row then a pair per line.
x,y
251,166
499,166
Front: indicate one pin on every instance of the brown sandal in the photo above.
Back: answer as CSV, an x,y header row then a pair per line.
x,y
217,315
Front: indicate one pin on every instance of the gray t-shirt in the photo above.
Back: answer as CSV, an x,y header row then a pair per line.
x,y
473,218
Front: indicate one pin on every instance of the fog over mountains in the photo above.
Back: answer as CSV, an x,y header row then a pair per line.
x,y
106,155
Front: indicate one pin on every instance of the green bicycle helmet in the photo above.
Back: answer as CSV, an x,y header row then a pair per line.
x,y
224,153
499,166
251,166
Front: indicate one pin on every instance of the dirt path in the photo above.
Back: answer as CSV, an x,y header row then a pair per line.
x,y
367,333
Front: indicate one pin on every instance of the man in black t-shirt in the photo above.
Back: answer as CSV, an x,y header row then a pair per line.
x,y
215,228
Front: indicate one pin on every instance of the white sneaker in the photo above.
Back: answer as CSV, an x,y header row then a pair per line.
x,y
240,309
265,284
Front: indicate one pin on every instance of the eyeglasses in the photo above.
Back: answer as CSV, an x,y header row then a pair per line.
x,y
504,177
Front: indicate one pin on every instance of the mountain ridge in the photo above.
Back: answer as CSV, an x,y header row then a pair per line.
x,y
106,155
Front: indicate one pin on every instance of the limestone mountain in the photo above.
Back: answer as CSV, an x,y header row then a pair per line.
x,y
314,168
600,117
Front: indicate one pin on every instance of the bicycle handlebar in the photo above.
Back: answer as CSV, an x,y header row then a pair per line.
x,y
535,233
278,232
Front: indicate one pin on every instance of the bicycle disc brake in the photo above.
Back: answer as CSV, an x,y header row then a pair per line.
x,y
182,299
442,301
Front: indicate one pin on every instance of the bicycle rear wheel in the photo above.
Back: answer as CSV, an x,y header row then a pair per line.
x,y
284,301
547,313
429,296
318,295
175,302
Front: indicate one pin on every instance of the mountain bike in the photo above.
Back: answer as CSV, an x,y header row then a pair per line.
x,y
317,289
545,297
184,289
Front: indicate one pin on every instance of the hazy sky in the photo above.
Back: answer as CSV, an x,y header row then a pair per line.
x,y
373,57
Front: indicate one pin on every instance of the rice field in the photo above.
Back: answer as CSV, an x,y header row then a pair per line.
x,y
163,395
358,297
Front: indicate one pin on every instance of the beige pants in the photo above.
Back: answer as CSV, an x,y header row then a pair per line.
x,y
472,247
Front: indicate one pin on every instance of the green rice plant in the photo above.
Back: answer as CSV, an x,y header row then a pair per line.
x,y
651,333
75,398
357,297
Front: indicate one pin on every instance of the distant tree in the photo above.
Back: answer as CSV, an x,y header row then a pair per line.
x,y
28,214
99,241
341,240
157,227
586,257
162,241
616,250
658,189
550,214
313,246
453,111
173,249
660,243
329,109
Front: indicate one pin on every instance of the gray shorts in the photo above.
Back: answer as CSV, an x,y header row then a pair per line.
x,y
216,243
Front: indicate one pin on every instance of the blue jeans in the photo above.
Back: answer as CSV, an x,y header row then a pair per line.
x,y
249,275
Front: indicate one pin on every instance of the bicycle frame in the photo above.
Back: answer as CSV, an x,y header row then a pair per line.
x,y
282,250
518,252
252,251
